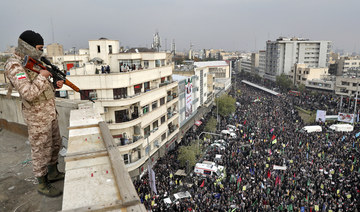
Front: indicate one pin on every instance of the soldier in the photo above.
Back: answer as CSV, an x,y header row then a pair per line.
x,y
39,111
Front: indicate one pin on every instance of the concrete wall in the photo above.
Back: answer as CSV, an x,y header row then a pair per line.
x,y
10,111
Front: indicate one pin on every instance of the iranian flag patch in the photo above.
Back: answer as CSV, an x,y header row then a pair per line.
x,y
21,76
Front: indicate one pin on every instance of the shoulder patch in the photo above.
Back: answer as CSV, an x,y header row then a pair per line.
x,y
21,75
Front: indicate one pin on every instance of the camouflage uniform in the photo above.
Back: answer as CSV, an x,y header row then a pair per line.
x,y
39,113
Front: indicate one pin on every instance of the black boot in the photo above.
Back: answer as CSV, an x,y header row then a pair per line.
x,y
45,188
54,174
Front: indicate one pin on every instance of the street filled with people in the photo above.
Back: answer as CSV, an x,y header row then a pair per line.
x,y
270,165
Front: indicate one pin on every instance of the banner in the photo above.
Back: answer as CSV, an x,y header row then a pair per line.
x,y
152,179
346,117
188,97
320,115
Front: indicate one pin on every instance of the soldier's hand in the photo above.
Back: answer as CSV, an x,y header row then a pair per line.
x,y
45,73
59,84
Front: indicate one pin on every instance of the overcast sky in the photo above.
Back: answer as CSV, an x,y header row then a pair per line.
x,y
220,24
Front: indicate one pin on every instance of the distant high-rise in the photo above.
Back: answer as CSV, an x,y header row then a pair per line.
x,y
282,54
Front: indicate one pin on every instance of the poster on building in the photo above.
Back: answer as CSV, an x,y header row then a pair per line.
x,y
346,117
188,97
320,115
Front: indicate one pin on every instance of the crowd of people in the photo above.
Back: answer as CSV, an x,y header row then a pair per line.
x,y
271,166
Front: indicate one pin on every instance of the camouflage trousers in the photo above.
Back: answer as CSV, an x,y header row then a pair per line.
x,y
45,141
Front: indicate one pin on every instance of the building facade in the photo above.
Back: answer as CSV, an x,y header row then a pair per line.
x,y
282,54
137,97
300,73
262,62
54,49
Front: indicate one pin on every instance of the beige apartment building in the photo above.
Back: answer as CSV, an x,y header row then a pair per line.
x,y
54,49
300,73
347,85
137,98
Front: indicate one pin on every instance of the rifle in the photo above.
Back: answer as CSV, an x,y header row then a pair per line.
x,y
56,73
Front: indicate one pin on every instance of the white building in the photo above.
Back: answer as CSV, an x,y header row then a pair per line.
x,y
221,72
262,62
282,54
193,91
137,98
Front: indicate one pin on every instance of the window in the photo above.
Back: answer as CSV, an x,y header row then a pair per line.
x,y
137,88
145,109
162,101
156,144
147,86
120,93
110,49
146,64
163,137
157,63
162,62
155,124
121,116
86,93
98,48
147,131
127,158
162,119
154,105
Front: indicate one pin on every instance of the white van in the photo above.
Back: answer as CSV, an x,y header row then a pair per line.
x,y
204,169
342,127
228,133
310,129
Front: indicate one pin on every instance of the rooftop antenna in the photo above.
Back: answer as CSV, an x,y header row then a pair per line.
x,y
156,42
52,30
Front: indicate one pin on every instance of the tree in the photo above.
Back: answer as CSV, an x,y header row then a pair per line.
x,y
226,105
284,82
187,153
210,125
301,88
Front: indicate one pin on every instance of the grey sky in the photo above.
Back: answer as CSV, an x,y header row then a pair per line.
x,y
226,24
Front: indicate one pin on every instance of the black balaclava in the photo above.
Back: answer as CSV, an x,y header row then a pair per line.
x,y
27,43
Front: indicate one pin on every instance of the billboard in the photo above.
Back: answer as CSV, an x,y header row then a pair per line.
x,y
320,115
346,117
188,97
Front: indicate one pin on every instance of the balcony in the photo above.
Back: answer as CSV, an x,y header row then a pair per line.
x,y
128,100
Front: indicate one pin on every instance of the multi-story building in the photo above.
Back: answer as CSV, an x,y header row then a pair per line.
x,y
344,64
54,49
300,73
325,84
262,62
137,97
347,85
246,64
221,72
282,54
255,63
193,90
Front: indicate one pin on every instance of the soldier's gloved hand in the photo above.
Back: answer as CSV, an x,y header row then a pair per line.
x,y
59,84
45,73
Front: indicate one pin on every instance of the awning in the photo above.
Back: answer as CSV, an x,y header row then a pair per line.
x,y
198,123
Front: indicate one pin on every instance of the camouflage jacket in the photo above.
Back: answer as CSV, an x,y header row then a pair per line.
x,y
35,90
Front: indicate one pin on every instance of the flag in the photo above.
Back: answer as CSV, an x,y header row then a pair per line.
x,y
272,130
202,184
269,174
238,182
152,180
273,137
274,141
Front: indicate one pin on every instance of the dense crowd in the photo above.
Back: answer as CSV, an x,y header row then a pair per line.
x,y
322,169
